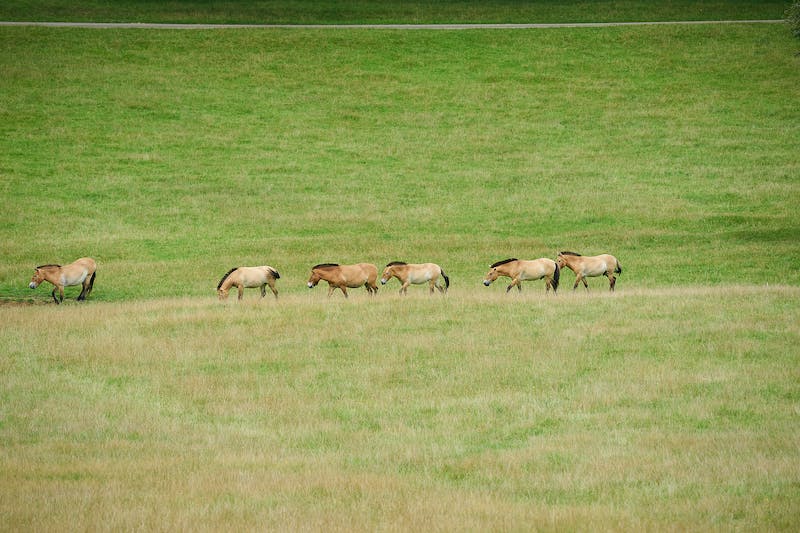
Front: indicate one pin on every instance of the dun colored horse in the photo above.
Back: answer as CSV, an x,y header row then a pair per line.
x,y
520,271
81,272
345,276
417,274
590,266
248,277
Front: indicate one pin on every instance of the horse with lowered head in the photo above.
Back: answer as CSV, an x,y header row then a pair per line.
x,y
248,277
520,271
590,266
81,272
415,274
343,277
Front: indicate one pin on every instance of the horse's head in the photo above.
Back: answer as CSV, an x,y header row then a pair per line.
x,y
388,272
490,276
222,294
38,277
314,279
563,258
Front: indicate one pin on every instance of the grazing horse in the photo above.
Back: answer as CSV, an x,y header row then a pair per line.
x,y
248,277
520,271
81,272
415,273
344,276
589,266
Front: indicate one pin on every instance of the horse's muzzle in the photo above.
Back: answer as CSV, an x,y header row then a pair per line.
x,y
310,285
487,282
383,281
32,285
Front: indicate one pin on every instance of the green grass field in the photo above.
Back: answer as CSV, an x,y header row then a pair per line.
x,y
387,11
172,156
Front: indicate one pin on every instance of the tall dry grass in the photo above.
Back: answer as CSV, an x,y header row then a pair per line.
x,y
647,409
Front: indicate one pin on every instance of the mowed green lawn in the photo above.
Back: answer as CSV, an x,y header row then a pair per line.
x,y
171,157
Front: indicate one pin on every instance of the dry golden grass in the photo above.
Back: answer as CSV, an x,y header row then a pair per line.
x,y
647,409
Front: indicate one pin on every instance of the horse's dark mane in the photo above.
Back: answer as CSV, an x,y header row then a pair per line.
x,y
46,266
503,262
395,263
325,265
570,253
225,277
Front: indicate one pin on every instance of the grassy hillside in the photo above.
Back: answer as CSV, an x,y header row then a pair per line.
x,y
394,11
173,156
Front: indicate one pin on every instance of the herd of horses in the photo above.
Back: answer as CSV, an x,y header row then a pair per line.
x,y
83,271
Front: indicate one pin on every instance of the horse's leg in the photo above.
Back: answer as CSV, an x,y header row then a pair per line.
x,y
514,282
586,285
404,287
91,285
344,291
578,279
439,287
271,283
611,282
331,288
263,290
53,294
241,290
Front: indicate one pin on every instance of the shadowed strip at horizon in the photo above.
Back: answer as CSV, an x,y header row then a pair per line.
x,y
174,26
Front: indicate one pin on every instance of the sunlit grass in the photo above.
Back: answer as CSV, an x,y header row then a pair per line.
x,y
462,148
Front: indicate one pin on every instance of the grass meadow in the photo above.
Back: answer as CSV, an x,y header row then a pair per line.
x,y
172,156
388,11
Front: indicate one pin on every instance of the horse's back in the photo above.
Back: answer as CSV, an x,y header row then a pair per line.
x,y
368,268
613,263
362,273
600,265
255,276
538,268
270,271
86,262
426,271
77,271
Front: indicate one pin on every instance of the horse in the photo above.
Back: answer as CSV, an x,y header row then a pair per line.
x,y
589,266
520,271
415,273
81,272
248,277
345,276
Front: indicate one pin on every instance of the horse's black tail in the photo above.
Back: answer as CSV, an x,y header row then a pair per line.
x,y
618,270
91,282
556,277
446,279
275,273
